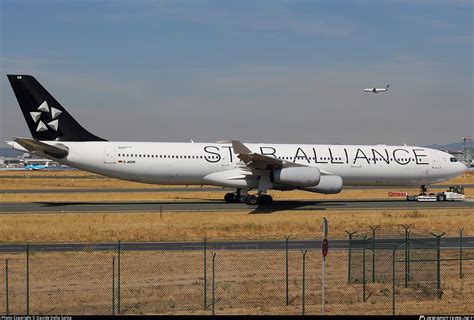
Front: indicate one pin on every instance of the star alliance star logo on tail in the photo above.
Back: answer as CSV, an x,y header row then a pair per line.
x,y
54,113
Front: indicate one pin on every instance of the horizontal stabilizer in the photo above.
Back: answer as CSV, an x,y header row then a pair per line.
x,y
16,146
34,146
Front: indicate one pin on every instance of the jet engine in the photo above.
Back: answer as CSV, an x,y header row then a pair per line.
x,y
296,176
327,185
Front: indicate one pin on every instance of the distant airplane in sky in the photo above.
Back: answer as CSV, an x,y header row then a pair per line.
x,y
376,90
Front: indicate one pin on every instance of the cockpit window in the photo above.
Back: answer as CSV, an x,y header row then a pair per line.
x,y
453,159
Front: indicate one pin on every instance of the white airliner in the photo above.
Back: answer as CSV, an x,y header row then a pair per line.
x,y
376,90
245,167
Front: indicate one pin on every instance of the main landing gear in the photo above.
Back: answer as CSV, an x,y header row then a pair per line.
x,y
248,199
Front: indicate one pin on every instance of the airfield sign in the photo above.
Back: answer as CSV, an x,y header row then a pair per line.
x,y
325,247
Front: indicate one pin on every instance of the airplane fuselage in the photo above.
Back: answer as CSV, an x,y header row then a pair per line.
x,y
315,168
375,90
189,163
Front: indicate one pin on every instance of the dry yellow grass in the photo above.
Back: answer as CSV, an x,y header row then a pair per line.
x,y
247,282
50,180
109,196
347,194
14,180
11,180
198,225
171,226
44,180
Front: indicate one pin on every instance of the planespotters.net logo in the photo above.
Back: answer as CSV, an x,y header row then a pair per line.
x,y
446,318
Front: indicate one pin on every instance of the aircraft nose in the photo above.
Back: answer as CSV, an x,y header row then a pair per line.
x,y
460,168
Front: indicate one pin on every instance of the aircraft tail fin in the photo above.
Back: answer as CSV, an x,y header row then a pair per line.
x,y
46,118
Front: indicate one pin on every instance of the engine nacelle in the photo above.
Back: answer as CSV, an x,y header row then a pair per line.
x,y
230,178
327,185
296,176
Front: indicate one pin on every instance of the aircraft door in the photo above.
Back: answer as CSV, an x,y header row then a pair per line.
x,y
435,161
109,155
225,156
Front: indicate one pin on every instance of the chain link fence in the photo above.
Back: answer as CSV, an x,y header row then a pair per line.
x,y
401,273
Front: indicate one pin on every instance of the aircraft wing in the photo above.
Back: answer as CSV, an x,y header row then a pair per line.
x,y
258,161
34,146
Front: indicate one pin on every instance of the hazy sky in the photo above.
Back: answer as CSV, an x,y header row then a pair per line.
x,y
259,71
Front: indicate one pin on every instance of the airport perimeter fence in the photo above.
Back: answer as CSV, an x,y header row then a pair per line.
x,y
422,272
388,275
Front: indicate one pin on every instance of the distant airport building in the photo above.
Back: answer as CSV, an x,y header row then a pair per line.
x,y
26,159
12,162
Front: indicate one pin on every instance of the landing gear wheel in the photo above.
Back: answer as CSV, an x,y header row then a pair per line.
x,y
229,197
266,199
252,200
241,199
